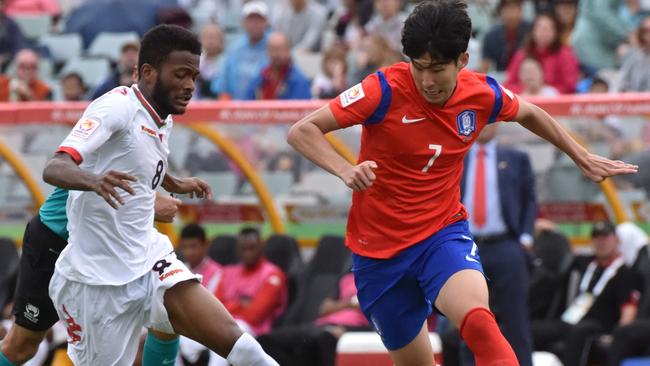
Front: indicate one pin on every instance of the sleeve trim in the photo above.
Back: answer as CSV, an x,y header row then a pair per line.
x,y
498,99
74,154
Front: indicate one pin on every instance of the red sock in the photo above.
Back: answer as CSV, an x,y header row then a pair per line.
x,y
482,335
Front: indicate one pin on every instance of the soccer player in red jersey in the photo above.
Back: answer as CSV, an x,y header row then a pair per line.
x,y
407,227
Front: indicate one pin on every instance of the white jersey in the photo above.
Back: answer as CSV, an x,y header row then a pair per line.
x,y
119,131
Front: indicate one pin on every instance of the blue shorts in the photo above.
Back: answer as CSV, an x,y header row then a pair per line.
x,y
397,294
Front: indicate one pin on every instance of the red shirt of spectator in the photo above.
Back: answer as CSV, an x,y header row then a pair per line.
x,y
558,62
351,317
254,291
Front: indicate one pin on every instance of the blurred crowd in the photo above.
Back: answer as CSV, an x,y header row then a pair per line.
x,y
301,49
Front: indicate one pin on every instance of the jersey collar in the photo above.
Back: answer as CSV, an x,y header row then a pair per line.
x,y
152,112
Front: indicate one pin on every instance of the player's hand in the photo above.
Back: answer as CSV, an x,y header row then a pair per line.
x,y
106,184
194,187
166,208
360,176
598,168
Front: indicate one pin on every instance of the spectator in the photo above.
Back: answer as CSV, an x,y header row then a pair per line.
x,y
635,72
388,22
303,21
280,79
194,250
532,79
565,12
337,314
558,61
211,60
24,86
73,87
348,22
374,53
599,30
244,60
123,72
331,80
254,291
11,38
606,297
504,39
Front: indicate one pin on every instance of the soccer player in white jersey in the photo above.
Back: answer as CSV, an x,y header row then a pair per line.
x,y
118,273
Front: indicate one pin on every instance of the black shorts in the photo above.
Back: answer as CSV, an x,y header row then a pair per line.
x,y
33,308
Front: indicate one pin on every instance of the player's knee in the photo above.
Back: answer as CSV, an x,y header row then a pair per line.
x,y
19,349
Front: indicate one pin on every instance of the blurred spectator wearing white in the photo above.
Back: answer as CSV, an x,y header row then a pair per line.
x,y
561,69
24,85
532,79
635,72
632,239
11,38
388,22
211,60
504,39
599,30
374,53
331,80
244,60
73,88
303,21
123,72
280,79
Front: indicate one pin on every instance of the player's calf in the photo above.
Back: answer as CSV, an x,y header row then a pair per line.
x,y
19,346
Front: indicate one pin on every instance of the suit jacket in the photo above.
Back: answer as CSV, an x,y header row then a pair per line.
x,y
516,190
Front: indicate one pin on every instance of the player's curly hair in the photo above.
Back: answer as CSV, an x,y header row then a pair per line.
x,y
440,28
164,39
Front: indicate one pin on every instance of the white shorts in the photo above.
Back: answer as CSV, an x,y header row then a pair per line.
x,y
105,322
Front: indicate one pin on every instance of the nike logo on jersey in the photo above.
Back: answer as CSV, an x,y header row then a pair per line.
x,y
406,120
470,259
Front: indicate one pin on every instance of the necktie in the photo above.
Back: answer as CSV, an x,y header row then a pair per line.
x,y
479,189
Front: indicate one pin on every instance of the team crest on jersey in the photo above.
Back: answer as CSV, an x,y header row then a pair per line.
x,y
84,128
466,121
352,95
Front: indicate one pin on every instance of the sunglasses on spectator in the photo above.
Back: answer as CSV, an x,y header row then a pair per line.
x,y
27,66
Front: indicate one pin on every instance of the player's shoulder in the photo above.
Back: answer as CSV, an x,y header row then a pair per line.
x,y
116,105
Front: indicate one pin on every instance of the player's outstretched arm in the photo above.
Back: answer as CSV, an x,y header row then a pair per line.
x,y
307,136
62,171
594,167
192,185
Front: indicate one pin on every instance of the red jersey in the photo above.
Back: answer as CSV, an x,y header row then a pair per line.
x,y
419,149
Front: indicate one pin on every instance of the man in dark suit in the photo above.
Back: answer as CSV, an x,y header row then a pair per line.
x,y
498,190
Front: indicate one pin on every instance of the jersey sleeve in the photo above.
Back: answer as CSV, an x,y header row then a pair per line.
x,y
506,103
357,104
100,121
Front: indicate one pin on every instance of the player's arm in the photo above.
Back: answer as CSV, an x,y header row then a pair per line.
x,y
594,167
63,172
307,136
166,207
193,186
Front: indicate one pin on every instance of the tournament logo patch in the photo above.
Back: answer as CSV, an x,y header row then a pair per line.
x,y
148,131
466,121
31,313
84,128
352,95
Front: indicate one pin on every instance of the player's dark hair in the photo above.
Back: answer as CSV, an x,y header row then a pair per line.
x,y
440,28
248,230
164,39
193,231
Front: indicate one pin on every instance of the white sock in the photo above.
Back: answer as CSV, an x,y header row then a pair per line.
x,y
247,352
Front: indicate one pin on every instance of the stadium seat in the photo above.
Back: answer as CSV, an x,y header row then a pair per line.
x,y
63,47
92,70
283,251
109,45
8,270
222,184
33,26
224,250
642,268
332,256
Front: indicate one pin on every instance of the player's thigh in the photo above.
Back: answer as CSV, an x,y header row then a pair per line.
x,y
103,322
21,344
462,292
417,353
33,309
181,305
